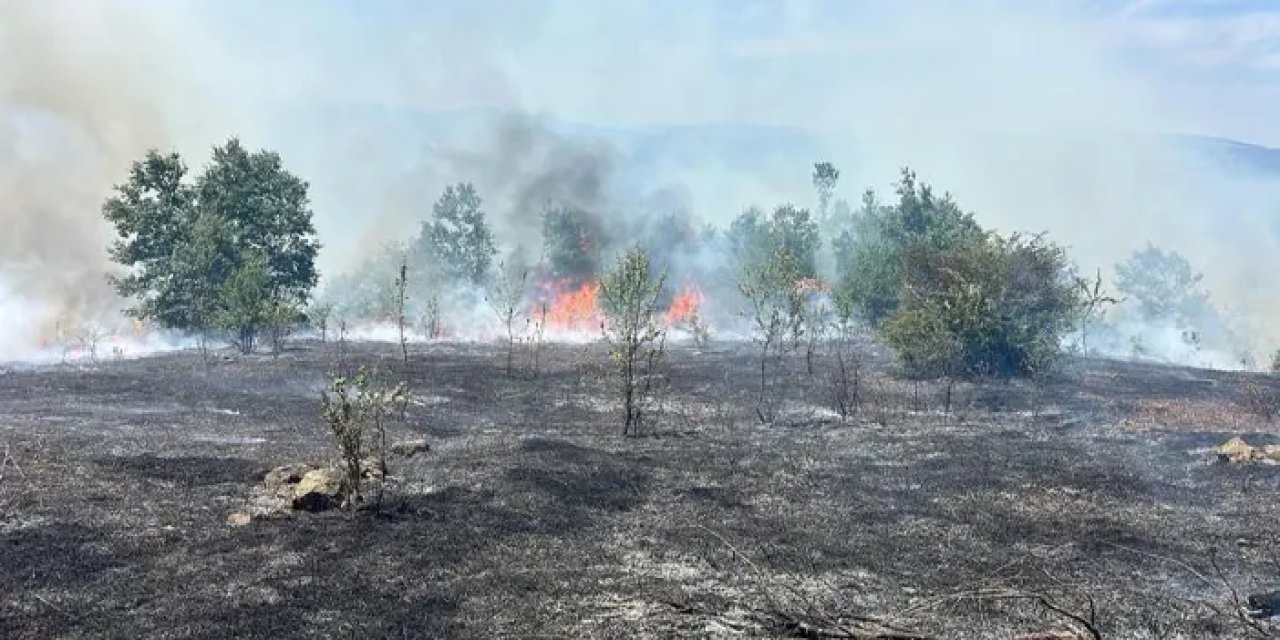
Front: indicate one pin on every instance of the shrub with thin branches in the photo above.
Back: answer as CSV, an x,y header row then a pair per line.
x,y
629,297
357,411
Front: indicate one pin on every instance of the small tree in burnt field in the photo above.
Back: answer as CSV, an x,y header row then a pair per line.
x,y
357,410
846,377
629,298
505,296
401,284
777,305
1094,301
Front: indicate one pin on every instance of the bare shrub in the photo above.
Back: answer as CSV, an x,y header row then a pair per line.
x,y
401,283
91,336
636,336
357,411
319,315
777,310
537,333
505,297
846,392
432,324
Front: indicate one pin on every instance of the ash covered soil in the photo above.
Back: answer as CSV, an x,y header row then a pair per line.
x,y
1094,494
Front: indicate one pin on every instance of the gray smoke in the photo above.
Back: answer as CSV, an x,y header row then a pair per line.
x,y
75,109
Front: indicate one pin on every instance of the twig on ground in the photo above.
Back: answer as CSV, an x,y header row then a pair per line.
x,y
778,617
7,460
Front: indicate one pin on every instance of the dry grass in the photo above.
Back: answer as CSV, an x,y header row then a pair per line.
x,y
1177,414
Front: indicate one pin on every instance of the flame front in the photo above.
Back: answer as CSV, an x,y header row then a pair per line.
x,y
685,306
574,308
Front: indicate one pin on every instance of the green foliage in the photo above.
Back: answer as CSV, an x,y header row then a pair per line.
x,y
458,237
357,410
1275,361
153,214
629,298
874,253
245,302
572,241
794,233
183,243
267,211
825,176
755,240
989,306
777,309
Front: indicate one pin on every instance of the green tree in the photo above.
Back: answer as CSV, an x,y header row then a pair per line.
x,y
875,255
458,236
267,210
825,177
153,214
245,302
201,266
182,243
794,232
629,296
988,306
777,309
572,240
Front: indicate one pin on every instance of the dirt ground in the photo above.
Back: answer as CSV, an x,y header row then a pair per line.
x,y
1095,494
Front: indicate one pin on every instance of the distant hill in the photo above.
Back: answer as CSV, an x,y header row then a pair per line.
x,y
744,149
1232,154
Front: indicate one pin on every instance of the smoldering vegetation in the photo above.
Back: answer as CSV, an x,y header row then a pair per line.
x,y
986,510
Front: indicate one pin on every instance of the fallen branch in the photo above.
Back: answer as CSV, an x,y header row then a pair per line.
x,y
777,617
1079,624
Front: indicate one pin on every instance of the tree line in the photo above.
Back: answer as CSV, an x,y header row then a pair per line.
x,y
231,251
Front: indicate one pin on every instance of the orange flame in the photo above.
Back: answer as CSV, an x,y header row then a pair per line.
x,y
574,309
685,306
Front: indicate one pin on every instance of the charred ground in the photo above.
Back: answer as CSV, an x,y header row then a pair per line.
x,y
533,517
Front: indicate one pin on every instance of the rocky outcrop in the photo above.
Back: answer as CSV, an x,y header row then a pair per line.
x,y
309,487
319,490
1237,451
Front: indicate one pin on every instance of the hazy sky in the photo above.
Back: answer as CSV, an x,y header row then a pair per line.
x,y
337,86
1197,66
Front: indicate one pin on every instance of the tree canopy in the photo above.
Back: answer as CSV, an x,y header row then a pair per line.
x,y
457,237
183,242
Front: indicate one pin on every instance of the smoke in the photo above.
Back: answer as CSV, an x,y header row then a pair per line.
x,y
77,105
1039,116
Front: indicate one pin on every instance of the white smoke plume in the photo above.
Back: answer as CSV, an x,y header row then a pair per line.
x,y
1043,116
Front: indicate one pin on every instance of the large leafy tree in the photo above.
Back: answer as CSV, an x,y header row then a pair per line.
x,y
458,237
267,212
182,241
153,214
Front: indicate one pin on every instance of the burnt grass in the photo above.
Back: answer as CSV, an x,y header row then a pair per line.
x,y
533,517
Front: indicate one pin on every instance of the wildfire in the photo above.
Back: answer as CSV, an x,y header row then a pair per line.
x,y
574,308
685,306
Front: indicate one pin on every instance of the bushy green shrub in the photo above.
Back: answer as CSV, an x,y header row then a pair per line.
x,y
990,306
951,298
873,252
